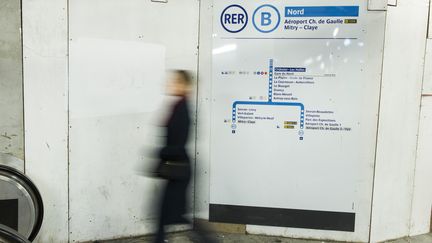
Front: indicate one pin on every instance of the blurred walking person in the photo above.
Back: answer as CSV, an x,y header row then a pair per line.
x,y
175,165
174,162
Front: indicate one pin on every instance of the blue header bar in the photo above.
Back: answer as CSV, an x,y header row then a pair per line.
x,y
324,11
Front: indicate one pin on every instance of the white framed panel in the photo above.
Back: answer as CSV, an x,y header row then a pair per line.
x,y
292,114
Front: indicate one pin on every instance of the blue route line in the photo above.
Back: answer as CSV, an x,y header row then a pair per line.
x,y
271,80
269,102
234,108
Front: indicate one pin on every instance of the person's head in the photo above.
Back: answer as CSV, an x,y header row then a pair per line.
x,y
179,83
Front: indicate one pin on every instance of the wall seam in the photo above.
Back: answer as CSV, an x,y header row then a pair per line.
x,y
22,87
210,114
418,127
68,120
377,130
196,112
429,21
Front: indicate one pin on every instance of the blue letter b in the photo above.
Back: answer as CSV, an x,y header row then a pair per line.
x,y
265,19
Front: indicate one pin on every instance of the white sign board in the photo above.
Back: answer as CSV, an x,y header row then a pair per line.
x,y
293,115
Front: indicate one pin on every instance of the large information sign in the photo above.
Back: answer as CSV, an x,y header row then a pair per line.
x,y
294,111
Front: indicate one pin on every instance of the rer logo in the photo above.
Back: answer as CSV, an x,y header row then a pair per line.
x,y
266,18
234,18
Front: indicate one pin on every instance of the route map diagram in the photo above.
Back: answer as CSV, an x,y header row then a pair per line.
x,y
293,108
270,102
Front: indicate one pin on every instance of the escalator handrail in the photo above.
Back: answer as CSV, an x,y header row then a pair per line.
x,y
33,188
11,235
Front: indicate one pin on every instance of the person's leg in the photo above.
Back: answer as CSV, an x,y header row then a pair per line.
x,y
175,207
182,200
160,233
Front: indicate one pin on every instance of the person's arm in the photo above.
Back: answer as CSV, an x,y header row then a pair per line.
x,y
178,132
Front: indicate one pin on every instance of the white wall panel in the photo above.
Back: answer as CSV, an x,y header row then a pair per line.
x,y
45,105
111,103
399,113
118,54
202,195
427,79
422,196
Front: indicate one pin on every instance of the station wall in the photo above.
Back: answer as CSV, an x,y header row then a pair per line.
x,y
399,119
83,157
116,85
88,109
11,98
422,196
45,54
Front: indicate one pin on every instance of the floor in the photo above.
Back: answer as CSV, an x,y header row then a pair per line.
x,y
185,237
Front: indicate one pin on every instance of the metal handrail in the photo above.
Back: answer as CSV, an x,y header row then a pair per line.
x,y
33,191
11,236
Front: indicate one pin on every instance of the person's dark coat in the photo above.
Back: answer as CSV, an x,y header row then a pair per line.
x,y
177,133
173,206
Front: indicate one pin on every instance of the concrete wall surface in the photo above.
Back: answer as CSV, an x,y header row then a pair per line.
x,y
398,121
119,52
11,99
45,105
422,196
88,104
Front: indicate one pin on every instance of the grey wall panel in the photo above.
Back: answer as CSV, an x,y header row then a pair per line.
x,y
11,105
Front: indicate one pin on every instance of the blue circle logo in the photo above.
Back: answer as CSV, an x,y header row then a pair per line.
x,y
266,18
234,18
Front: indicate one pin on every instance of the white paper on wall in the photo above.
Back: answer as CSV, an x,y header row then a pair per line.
x,y
113,77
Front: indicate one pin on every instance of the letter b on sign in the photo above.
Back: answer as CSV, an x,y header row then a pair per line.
x,y
266,18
